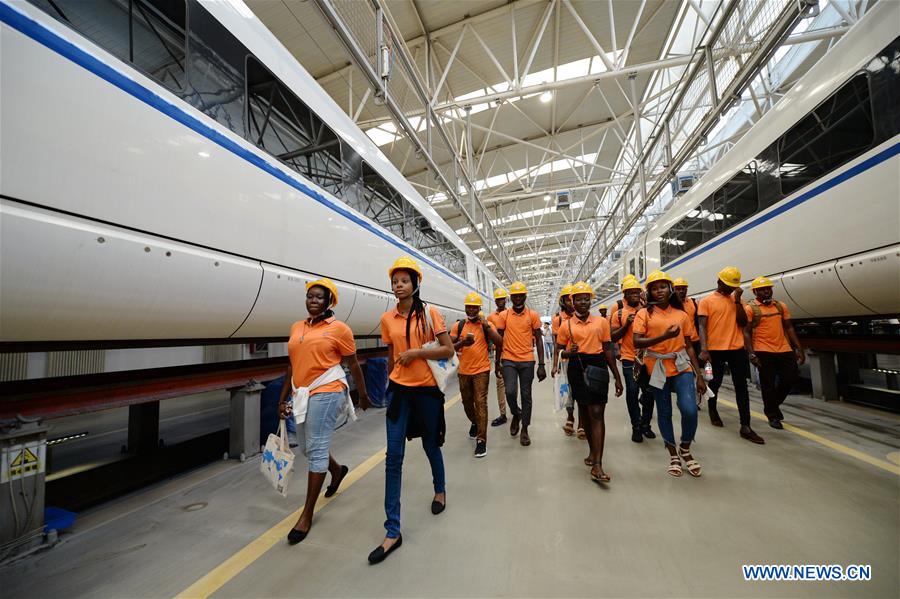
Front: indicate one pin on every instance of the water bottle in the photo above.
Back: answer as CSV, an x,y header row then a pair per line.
x,y
708,372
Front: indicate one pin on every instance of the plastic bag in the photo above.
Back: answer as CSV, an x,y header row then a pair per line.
x,y
560,389
277,463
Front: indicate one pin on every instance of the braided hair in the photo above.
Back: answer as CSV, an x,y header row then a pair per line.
x,y
418,307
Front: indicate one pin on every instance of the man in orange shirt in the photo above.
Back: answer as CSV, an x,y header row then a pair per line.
x,y
722,319
640,410
690,306
521,331
773,347
470,339
495,318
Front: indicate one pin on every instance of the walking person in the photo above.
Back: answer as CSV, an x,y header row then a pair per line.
x,y
603,309
586,342
773,347
690,306
521,331
470,339
565,312
547,336
494,318
416,407
722,319
317,349
640,404
664,329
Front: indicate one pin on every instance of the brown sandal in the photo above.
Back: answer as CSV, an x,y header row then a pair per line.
x,y
581,434
600,476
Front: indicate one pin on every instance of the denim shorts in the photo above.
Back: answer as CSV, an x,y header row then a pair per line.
x,y
321,417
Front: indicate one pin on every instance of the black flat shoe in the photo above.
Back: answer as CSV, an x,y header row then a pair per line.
x,y
437,507
295,536
498,421
776,424
648,432
378,556
334,486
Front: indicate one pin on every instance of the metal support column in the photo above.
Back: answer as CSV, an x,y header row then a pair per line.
x,y
143,427
711,75
824,375
243,436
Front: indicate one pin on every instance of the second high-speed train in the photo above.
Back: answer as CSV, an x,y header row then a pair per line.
x,y
809,197
170,172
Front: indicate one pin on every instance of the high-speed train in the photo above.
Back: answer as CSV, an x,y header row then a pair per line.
x,y
809,196
170,172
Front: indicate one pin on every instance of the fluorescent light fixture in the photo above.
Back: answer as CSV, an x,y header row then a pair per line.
x,y
547,197
546,96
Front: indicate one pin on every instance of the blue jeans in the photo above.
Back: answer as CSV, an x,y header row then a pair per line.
x,y
321,416
396,448
685,395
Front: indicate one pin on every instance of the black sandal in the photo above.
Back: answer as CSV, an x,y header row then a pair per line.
x,y
333,487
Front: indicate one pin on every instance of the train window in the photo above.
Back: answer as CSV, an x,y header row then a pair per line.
x,y
216,69
838,130
730,204
641,265
147,33
631,266
285,127
884,82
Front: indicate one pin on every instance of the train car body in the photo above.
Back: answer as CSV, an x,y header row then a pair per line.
x,y
129,211
809,197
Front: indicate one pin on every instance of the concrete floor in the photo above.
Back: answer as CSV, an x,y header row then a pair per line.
x,y
523,522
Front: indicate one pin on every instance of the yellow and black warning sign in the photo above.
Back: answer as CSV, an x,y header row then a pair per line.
x,y
20,461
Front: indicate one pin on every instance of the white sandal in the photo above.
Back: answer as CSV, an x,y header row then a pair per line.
x,y
693,466
675,466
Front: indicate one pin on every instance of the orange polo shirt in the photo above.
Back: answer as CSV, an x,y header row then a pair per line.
x,y
473,359
722,330
589,335
495,318
654,325
691,310
557,321
313,349
769,335
626,343
393,332
518,338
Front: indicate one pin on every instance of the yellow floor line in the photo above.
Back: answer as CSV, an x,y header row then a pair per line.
x,y
237,563
853,453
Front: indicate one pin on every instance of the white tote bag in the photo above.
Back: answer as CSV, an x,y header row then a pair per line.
x,y
277,463
444,368
560,388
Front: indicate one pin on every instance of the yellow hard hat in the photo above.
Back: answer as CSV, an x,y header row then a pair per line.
x,y
760,282
731,276
500,293
405,263
327,284
581,287
630,282
602,307
565,291
679,282
517,288
473,299
657,275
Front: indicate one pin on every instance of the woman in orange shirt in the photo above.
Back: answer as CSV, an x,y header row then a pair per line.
x,y
317,347
416,407
665,330
585,341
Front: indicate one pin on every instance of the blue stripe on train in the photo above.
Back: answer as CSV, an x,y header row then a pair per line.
x,y
63,47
